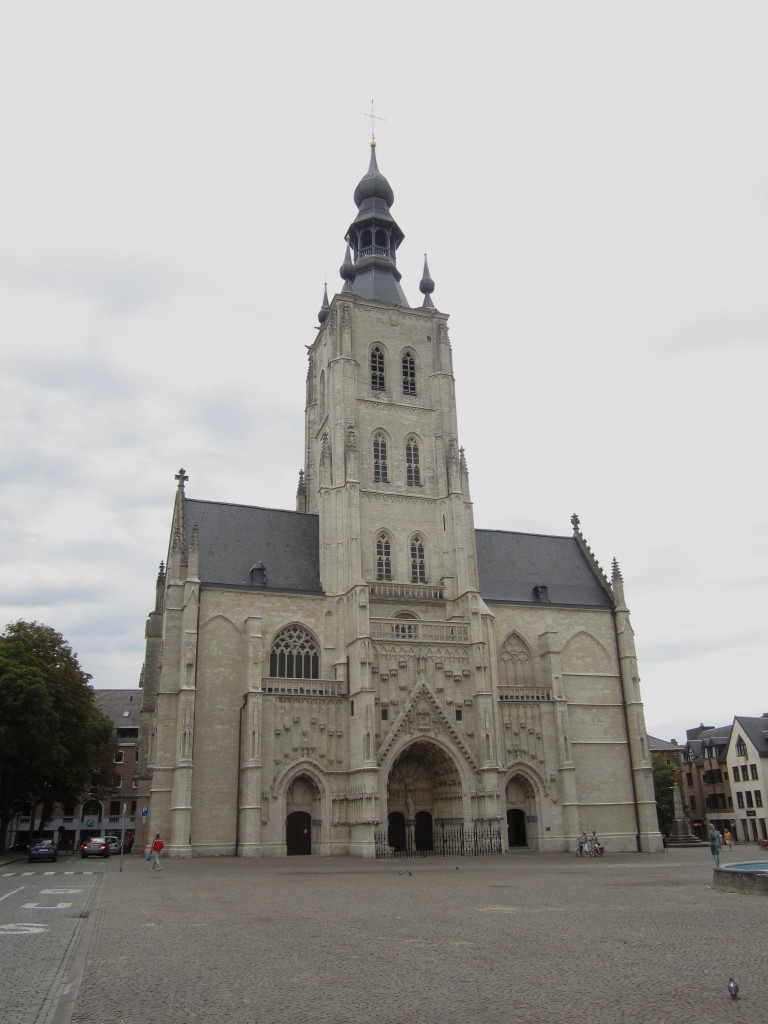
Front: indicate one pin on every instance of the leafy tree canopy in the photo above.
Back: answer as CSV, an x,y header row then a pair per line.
x,y
52,735
665,778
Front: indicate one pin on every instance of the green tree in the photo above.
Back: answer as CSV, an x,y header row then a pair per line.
x,y
665,777
52,735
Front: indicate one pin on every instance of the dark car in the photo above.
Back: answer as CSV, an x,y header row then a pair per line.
x,y
96,846
42,849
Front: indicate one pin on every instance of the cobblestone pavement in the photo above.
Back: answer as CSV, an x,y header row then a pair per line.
x,y
523,938
43,917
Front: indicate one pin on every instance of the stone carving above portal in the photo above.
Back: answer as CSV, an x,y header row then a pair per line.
x,y
423,715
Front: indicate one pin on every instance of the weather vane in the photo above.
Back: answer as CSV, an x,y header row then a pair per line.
x,y
373,117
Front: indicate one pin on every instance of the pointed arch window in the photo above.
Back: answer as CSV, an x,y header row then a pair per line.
x,y
412,465
294,655
322,395
516,662
409,374
380,468
383,557
377,369
418,562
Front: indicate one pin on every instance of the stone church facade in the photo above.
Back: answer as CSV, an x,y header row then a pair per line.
x,y
369,673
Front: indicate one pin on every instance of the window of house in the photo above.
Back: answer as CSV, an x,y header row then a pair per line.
x,y
692,801
758,798
409,374
119,757
418,563
753,770
294,655
689,777
380,468
750,801
412,467
377,369
459,714
744,773
739,799
384,714
383,557
114,808
736,774
741,748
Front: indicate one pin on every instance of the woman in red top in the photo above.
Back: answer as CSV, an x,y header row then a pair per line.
x,y
157,847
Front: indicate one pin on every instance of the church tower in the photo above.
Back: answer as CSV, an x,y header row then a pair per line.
x,y
388,479
369,674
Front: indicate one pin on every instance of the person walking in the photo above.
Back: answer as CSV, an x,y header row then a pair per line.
x,y
157,848
728,839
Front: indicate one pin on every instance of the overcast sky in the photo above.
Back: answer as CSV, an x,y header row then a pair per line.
x,y
590,181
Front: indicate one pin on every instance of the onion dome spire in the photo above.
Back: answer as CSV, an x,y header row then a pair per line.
x,y
426,287
322,316
373,238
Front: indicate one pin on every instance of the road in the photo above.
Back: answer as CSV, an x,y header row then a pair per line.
x,y
44,913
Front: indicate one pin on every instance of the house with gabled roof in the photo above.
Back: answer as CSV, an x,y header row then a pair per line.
x,y
747,765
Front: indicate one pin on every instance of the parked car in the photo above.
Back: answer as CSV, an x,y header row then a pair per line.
x,y
96,846
114,844
42,849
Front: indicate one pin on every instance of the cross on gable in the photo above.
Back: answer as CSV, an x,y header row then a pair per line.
x,y
182,478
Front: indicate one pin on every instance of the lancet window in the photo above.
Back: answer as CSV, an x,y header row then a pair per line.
x,y
412,466
380,467
418,561
516,662
409,374
294,655
383,557
377,369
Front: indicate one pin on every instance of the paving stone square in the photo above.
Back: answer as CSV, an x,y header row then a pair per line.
x,y
525,938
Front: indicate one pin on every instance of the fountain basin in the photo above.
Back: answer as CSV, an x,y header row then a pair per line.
x,y
750,877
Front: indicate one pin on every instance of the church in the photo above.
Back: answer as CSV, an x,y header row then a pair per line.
x,y
369,674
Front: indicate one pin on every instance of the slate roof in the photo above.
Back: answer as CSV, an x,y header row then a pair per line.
x,y
656,744
510,565
708,736
233,538
114,703
757,731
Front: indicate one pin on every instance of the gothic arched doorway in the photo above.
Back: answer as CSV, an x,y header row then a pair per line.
x,y
396,831
423,832
302,815
516,834
521,813
423,790
298,834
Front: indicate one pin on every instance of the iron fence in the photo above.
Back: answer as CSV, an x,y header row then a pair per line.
x,y
445,841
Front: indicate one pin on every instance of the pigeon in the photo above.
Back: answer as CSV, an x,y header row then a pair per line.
x,y
733,989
